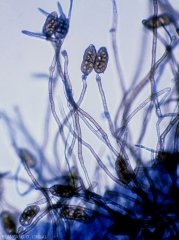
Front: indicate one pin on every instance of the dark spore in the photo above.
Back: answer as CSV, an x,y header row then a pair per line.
x,y
62,191
159,21
27,156
101,60
123,170
8,223
50,25
88,60
28,215
74,213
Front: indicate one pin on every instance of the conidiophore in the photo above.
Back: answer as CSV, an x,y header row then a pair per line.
x,y
107,166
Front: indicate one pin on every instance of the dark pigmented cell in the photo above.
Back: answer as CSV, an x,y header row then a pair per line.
x,y
62,191
61,29
80,214
26,156
50,24
88,60
74,213
28,215
161,20
169,160
101,60
124,173
8,223
56,26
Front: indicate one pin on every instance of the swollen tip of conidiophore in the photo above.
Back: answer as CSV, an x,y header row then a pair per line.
x,y
64,53
29,33
24,32
98,78
144,22
84,76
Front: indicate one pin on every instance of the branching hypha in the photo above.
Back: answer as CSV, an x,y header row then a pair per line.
x,y
107,165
